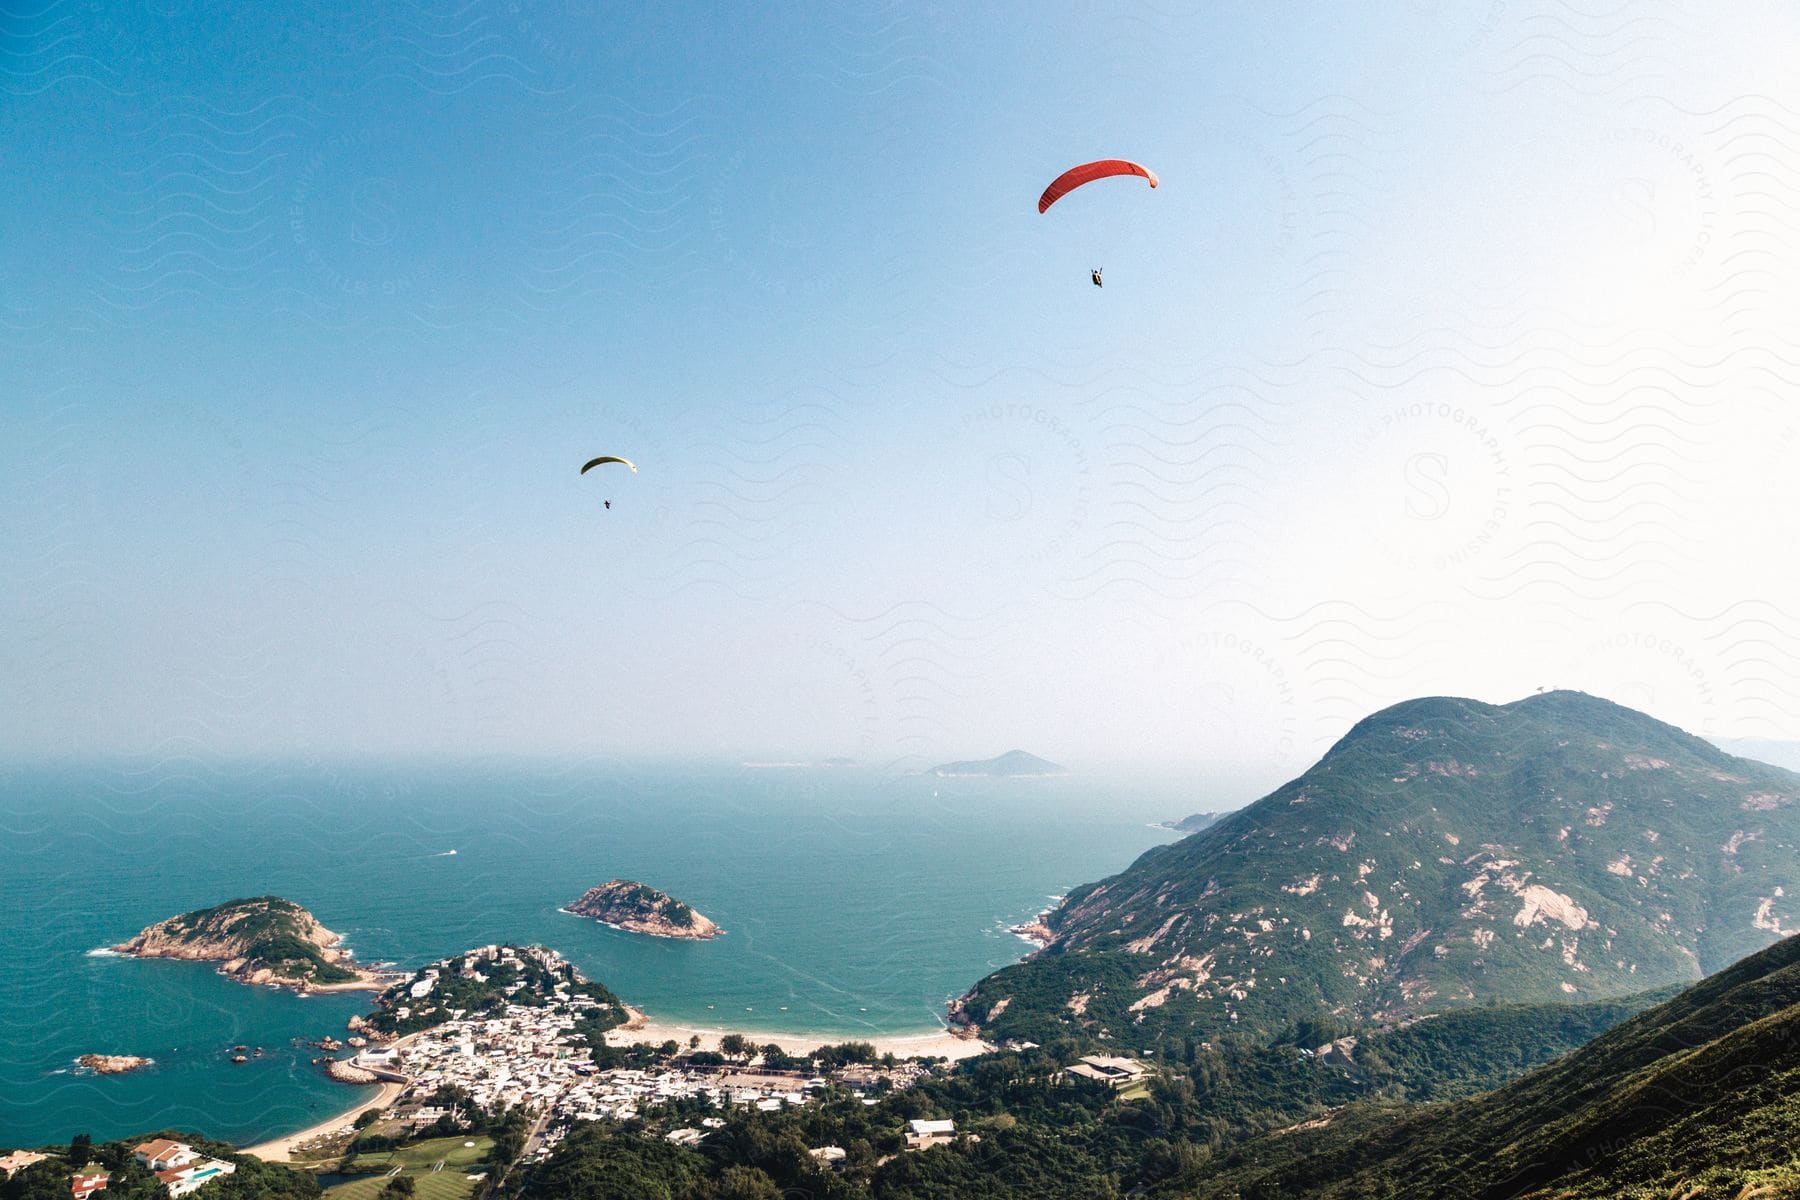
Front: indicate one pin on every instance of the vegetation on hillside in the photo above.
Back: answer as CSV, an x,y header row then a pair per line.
x,y
1039,1133
1697,1098
266,932
1444,853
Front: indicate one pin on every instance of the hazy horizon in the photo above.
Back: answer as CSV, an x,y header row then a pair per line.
x,y
1453,355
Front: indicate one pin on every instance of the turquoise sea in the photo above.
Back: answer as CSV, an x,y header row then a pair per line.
x,y
856,901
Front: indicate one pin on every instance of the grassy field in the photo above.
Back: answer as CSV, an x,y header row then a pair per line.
x,y
460,1157
442,1185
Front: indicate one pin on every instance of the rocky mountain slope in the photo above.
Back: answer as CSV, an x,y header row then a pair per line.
x,y
1445,852
261,940
1695,1099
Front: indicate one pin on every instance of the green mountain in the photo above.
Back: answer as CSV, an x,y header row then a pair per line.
x,y
1014,764
1696,1099
1445,852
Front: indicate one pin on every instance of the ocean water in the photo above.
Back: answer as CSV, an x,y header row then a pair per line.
x,y
856,902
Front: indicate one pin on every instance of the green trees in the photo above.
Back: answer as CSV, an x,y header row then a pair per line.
x,y
747,1183
47,1180
81,1150
399,1188
734,1044
509,1129
846,1052
595,1163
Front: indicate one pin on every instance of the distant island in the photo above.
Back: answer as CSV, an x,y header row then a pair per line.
x,y
265,940
1193,823
637,908
1014,764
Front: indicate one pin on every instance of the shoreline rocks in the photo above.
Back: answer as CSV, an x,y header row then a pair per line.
x,y
344,1071
112,1064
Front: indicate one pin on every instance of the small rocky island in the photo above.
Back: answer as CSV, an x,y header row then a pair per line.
x,y
264,940
111,1064
1014,764
632,906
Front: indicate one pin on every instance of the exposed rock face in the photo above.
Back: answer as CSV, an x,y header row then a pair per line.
x,y
359,1025
112,1064
263,940
625,904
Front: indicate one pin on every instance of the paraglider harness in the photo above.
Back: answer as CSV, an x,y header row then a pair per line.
x,y
1097,282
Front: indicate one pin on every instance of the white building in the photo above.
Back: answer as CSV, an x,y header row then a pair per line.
x,y
181,1168
922,1135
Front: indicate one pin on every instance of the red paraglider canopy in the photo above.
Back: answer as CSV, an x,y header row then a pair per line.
x,y
1074,177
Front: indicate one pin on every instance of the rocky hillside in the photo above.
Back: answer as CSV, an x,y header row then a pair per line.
x,y
1445,852
261,940
637,908
1697,1098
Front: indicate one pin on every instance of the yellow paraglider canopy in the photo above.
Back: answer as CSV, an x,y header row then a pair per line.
x,y
606,458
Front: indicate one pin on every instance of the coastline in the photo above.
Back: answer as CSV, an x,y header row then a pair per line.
x,y
643,1029
281,1149
368,978
655,933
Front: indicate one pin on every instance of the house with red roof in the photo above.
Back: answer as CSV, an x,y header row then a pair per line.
x,y
86,1183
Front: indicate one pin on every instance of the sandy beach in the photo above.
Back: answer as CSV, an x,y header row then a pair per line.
x,y
281,1149
643,1029
365,981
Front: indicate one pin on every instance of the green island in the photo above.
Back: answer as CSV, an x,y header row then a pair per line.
x,y
264,939
1014,764
638,908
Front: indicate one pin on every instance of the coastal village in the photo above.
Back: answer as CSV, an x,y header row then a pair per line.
x,y
504,1028
515,1035
534,1052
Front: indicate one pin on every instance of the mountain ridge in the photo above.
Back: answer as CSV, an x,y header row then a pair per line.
x,y
1444,851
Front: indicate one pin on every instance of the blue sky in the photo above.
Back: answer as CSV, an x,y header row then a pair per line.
x,y
1448,357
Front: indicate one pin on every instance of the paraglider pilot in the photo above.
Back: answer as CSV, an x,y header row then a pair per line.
x,y
1097,282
